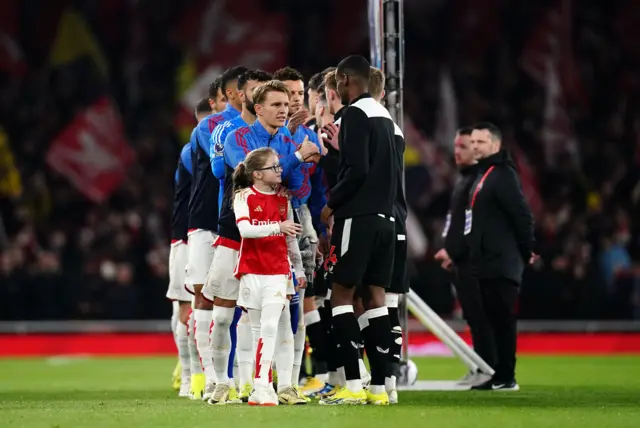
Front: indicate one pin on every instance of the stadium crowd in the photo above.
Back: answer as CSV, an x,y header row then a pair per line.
x,y
63,257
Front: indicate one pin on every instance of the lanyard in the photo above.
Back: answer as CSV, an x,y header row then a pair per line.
x,y
479,186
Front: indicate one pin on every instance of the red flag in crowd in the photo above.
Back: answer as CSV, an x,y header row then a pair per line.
x,y
92,152
218,34
222,32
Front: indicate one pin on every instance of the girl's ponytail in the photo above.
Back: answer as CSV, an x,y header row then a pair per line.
x,y
241,179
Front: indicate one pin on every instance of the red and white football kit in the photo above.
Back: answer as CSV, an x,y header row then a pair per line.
x,y
266,254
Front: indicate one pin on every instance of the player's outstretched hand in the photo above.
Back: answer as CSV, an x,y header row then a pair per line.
x,y
297,119
331,130
289,228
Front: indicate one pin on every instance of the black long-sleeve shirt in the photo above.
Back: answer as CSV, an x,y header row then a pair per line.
x,y
501,239
330,163
368,177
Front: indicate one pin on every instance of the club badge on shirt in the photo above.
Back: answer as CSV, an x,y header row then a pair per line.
x,y
467,221
447,224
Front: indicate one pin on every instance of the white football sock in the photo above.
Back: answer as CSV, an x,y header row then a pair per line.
x,y
221,341
269,320
284,357
203,326
245,352
182,340
334,378
390,383
174,319
342,377
194,357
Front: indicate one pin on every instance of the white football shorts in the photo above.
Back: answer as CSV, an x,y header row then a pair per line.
x,y
256,291
200,256
178,255
222,282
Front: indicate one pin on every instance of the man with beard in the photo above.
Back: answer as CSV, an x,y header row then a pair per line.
x,y
455,256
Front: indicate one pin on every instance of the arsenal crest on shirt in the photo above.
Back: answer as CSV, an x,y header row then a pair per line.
x,y
282,208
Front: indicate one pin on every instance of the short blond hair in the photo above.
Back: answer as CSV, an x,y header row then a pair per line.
x,y
330,81
260,93
376,82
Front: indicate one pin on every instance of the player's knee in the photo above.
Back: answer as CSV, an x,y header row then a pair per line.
x,y
375,298
269,328
222,319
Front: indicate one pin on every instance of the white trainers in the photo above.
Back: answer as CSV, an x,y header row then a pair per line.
x,y
220,394
224,394
263,396
209,388
185,387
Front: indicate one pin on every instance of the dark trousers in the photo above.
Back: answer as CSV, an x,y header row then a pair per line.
x,y
499,297
470,299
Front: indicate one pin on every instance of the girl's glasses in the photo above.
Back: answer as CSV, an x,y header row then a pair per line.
x,y
275,168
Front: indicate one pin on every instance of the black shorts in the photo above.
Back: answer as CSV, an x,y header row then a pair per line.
x,y
400,276
362,251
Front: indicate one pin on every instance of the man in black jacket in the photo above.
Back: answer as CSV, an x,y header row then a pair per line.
x,y
455,256
499,233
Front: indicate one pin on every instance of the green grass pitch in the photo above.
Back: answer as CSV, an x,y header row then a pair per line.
x,y
558,392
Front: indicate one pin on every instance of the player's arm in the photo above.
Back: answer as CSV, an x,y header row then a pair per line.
x,y
292,159
203,137
354,152
185,157
294,250
248,230
511,198
216,150
292,172
236,148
